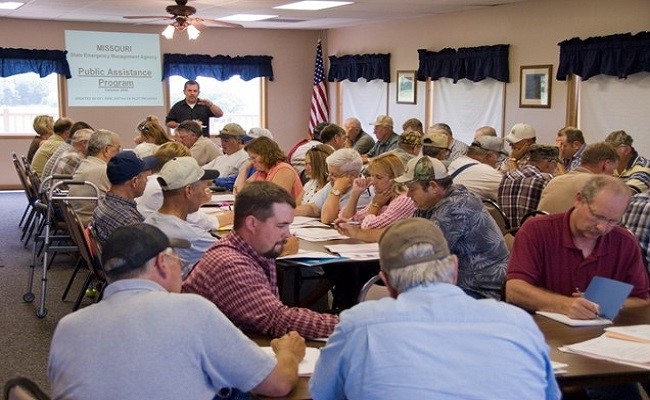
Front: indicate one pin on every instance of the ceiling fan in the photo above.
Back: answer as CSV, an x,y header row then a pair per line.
x,y
181,17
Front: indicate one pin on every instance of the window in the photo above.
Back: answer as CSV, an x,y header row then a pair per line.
x,y
364,100
23,97
240,100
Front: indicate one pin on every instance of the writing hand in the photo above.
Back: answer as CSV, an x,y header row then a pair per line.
x,y
581,308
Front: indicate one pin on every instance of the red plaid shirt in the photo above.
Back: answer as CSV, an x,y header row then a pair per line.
x,y
243,285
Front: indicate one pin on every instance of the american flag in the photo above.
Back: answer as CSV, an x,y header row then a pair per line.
x,y
319,107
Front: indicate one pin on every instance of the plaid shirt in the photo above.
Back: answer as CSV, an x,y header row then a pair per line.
x,y
637,173
399,208
243,285
520,191
67,163
49,165
113,213
637,220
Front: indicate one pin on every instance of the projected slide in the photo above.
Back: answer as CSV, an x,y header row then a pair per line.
x,y
113,69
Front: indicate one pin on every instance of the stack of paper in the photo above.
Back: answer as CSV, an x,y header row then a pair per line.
x,y
558,367
634,352
318,235
361,251
573,322
304,222
307,365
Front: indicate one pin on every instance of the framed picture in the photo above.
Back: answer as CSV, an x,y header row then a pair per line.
x,y
406,87
535,86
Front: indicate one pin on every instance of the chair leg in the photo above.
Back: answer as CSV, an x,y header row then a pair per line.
x,y
22,219
77,267
82,293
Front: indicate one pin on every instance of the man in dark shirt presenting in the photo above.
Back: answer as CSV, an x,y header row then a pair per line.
x,y
192,107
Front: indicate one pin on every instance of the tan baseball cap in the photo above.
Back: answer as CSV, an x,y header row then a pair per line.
x,y
183,171
406,233
520,132
383,120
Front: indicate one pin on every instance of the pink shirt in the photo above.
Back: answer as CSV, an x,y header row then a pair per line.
x,y
296,188
400,207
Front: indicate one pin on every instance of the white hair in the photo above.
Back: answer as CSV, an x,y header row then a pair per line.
x,y
81,135
347,159
422,273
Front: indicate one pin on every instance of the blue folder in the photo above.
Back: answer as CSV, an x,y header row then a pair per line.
x,y
609,294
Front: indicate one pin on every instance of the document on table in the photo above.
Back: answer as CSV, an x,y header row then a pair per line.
x,y
558,367
307,365
304,222
224,198
635,333
617,350
361,251
318,235
573,322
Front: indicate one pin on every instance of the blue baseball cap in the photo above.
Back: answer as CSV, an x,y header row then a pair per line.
x,y
126,165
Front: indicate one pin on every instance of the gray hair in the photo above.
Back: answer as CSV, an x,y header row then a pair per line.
x,y
81,135
99,140
349,160
422,273
601,182
441,126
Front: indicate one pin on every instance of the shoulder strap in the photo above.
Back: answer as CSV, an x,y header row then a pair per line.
x,y
461,169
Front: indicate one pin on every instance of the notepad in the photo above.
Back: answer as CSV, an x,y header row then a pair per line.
x,y
573,322
609,294
307,365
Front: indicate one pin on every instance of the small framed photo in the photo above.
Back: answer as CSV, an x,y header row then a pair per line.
x,y
406,87
535,86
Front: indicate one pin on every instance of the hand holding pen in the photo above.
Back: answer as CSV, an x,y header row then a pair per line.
x,y
581,308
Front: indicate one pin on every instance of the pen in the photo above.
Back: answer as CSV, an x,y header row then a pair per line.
x,y
578,292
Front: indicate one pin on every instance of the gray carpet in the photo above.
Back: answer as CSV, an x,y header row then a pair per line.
x,y
24,338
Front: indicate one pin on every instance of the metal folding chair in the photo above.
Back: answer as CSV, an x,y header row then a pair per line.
x,y
54,196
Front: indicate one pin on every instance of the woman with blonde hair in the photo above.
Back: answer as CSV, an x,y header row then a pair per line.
x,y
390,202
44,128
152,135
270,165
315,170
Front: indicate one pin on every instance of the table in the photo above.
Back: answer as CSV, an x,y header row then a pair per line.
x,y
360,270
585,371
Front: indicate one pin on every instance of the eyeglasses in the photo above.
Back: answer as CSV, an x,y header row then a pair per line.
x,y
183,263
601,218
143,127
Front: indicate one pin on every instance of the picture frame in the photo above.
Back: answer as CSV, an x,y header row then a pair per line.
x,y
406,87
535,86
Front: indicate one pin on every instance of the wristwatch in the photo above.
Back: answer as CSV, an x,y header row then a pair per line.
x,y
335,192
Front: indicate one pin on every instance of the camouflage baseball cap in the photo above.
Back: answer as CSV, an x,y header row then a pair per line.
x,y
411,138
423,168
618,138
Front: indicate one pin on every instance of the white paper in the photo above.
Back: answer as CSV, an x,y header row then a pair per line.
x,y
639,333
300,221
573,322
360,251
308,254
222,198
318,235
307,365
606,348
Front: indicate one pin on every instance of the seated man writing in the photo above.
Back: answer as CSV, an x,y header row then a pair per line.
x,y
555,257
238,273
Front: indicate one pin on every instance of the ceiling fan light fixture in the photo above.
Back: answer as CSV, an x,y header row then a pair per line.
x,y
192,32
169,32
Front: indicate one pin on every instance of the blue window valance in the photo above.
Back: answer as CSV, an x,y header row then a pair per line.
x,y
616,55
221,68
473,63
42,62
353,67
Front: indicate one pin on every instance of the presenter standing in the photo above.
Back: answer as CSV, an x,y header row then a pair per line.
x,y
193,107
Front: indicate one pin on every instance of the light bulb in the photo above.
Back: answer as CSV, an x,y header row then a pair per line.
x,y
169,32
192,32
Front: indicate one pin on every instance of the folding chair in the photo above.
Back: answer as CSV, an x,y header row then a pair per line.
x,y
55,196
20,170
372,290
498,215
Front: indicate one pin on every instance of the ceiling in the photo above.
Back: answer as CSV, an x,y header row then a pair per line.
x,y
361,12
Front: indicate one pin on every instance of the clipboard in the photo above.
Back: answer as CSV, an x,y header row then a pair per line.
x,y
609,294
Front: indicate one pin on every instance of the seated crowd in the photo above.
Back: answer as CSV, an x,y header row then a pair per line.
x,y
420,194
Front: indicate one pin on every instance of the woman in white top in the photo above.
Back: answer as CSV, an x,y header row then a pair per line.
x,y
315,170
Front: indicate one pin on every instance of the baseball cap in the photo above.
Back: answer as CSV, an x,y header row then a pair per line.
x,y
439,140
406,233
490,143
182,171
422,168
543,152
131,246
232,129
618,138
383,120
126,165
411,138
520,132
255,133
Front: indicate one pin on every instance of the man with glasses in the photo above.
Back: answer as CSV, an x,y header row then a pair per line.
x,y
102,146
632,167
185,189
145,340
520,190
556,256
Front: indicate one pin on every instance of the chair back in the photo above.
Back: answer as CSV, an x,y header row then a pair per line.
x,y
498,215
531,214
371,290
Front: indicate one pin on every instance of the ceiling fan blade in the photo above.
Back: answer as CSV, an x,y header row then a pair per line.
x,y
147,17
216,22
